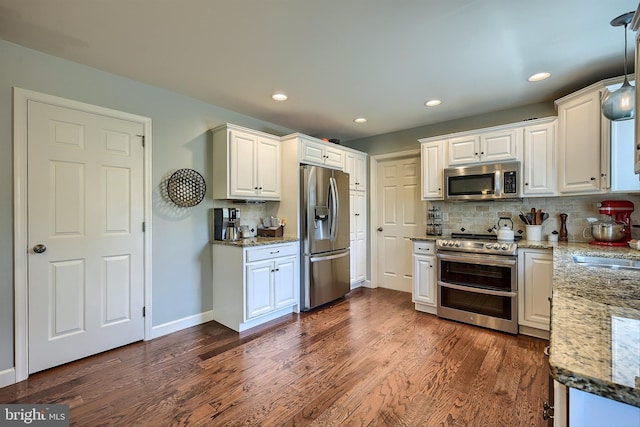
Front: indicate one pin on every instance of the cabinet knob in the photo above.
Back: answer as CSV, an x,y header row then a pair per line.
x,y
259,188
526,183
39,248
592,179
357,214
603,174
476,154
380,229
255,188
482,153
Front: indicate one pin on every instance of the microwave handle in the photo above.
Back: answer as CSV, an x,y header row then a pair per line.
x,y
498,182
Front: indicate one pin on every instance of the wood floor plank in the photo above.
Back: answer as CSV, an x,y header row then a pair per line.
x,y
369,359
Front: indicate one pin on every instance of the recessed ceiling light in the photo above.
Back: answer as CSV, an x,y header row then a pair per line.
x,y
279,96
360,120
539,76
433,102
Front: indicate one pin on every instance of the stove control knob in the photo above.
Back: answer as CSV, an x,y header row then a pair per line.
x,y
489,245
457,244
450,243
504,247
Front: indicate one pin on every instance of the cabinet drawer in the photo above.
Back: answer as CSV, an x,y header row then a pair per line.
x,y
271,251
424,248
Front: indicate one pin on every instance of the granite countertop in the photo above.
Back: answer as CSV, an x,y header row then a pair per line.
x,y
426,238
595,323
256,241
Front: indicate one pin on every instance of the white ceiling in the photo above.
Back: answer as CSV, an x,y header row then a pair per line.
x,y
337,59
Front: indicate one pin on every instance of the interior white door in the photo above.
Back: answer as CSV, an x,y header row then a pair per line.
x,y
86,243
398,215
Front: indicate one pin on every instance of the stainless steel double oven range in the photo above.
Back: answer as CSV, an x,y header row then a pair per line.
x,y
478,281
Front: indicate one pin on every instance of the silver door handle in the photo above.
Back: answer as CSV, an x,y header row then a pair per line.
x,y
39,248
380,228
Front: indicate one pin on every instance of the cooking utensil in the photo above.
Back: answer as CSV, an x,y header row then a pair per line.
x,y
524,219
608,231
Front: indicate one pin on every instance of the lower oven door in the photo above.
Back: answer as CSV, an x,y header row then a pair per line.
x,y
483,307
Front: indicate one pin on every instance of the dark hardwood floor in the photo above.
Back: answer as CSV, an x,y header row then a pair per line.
x,y
367,360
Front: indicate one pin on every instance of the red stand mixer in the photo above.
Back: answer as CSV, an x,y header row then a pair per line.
x,y
620,213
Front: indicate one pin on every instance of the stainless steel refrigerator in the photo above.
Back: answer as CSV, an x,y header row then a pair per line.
x,y
325,235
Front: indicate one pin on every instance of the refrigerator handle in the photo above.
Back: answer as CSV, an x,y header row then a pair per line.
x,y
335,208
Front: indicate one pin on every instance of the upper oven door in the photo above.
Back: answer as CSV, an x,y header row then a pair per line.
x,y
494,272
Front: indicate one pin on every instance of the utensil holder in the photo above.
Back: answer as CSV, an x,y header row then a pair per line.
x,y
533,232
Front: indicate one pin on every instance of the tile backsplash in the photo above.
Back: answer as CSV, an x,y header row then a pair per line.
x,y
478,217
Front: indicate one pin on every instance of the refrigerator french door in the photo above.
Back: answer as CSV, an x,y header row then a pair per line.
x,y
325,235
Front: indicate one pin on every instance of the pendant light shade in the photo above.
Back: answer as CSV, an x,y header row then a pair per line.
x,y
620,104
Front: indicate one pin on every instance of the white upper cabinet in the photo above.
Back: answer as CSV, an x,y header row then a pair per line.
x,y
486,146
320,153
539,160
623,176
355,166
432,165
246,164
579,143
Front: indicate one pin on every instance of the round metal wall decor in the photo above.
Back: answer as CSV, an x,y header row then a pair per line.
x,y
186,188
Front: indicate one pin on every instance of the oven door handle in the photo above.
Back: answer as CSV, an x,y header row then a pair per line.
x,y
478,290
509,262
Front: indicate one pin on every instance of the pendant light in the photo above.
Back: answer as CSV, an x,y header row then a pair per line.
x,y
620,104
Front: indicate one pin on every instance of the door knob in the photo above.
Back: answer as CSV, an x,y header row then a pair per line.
x,y
39,248
379,228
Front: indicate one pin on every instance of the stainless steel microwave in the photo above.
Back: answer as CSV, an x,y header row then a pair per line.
x,y
491,181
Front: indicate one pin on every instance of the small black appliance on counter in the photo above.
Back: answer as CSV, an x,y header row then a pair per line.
x,y
225,223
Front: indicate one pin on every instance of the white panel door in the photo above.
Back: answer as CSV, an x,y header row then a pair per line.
x,y
268,165
242,165
398,199
85,214
259,288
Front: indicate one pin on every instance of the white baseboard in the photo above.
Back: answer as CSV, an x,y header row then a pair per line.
x,y
367,284
7,377
180,324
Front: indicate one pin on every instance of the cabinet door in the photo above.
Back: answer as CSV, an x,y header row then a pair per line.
x,y
354,165
268,168
534,288
463,150
424,279
242,164
579,144
259,291
499,145
539,160
285,282
432,165
312,152
334,157
360,235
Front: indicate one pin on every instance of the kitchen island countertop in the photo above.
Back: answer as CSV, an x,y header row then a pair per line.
x,y
595,323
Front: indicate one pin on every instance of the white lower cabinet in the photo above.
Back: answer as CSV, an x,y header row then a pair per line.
x,y
535,276
358,236
253,285
424,276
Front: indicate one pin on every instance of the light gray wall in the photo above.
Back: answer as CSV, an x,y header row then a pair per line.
x,y
408,139
181,256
